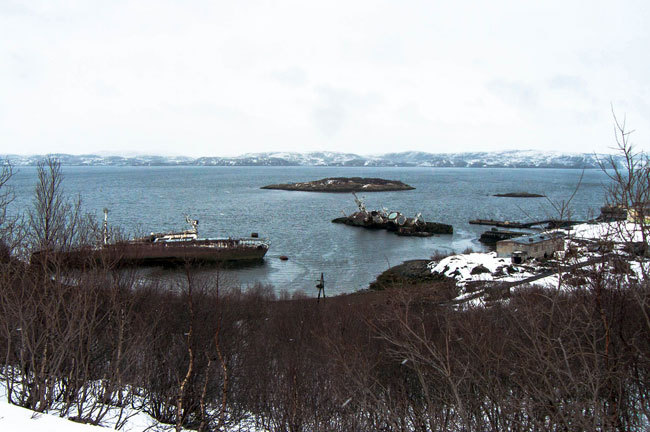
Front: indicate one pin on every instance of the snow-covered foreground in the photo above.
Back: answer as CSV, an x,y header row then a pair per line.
x,y
17,419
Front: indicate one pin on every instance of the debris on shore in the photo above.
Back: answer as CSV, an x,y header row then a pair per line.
x,y
344,184
551,223
491,237
613,248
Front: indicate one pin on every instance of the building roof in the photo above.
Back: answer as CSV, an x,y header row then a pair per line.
x,y
534,239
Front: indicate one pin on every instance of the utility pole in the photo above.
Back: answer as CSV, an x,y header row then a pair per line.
x,y
321,287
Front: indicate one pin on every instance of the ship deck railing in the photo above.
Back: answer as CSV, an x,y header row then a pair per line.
x,y
218,242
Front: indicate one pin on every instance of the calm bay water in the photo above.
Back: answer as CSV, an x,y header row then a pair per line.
x,y
228,201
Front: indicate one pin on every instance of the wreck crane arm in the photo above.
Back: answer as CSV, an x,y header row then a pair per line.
x,y
359,203
194,223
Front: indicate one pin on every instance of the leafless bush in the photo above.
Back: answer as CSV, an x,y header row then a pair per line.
x,y
11,227
383,361
203,355
439,255
468,250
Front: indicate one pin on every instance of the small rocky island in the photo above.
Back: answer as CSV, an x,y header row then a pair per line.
x,y
344,184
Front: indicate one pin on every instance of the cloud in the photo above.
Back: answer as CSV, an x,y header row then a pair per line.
x,y
292,76
335,106
571,83
330,112
219,77
515,93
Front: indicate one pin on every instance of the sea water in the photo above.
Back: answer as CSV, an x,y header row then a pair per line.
x,y
228,202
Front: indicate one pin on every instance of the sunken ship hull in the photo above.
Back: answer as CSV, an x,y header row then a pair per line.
x,y
159,249
393,221
421,229
204,251
140,253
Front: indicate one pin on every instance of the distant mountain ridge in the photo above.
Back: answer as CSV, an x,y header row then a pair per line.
x,y
498,159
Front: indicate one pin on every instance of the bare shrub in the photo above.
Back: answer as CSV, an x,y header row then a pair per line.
x,y
205,356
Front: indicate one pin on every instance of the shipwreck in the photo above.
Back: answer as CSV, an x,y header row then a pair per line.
x,y
168,248
393,221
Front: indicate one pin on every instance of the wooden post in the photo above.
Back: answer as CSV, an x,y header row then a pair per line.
x,y
321,287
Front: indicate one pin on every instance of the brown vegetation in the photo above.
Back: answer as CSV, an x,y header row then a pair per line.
x,y
202,355
204,358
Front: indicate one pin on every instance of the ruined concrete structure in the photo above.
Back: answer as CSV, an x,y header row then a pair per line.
x,y
530,246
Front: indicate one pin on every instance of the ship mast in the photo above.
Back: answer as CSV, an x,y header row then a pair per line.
x,y
194,223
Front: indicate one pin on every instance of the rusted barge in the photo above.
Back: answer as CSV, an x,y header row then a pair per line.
x,y
161,249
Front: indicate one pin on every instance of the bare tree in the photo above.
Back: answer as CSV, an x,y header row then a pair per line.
x,y
629,188
55,222
47,220
8,225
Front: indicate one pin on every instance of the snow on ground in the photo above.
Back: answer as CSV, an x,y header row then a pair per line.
x,y
640,268
617,232
470,269
16,419
475,267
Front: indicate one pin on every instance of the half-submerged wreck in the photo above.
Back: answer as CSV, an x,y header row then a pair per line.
x,y
170,248
393,221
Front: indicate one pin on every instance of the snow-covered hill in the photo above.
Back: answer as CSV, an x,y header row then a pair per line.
x,y
508,159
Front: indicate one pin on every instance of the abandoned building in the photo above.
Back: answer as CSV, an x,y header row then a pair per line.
x,y
639,213
530,246
611,213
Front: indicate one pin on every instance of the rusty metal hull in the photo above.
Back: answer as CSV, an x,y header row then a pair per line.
x,y
161,253
423,229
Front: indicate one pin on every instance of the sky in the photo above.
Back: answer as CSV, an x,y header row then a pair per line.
x,y
223,78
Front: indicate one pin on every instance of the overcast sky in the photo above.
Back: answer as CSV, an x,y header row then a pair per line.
x,y
222,78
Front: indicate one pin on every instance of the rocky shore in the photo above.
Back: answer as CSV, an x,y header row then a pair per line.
x,y
344,184
416,275
413,272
